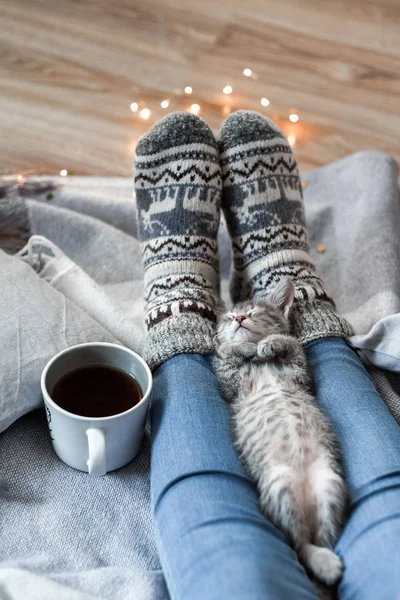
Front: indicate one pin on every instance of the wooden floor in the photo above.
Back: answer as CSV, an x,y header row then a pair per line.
x,y
69,70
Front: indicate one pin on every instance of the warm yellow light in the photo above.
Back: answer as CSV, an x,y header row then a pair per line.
x,y
195,109
228,89
20,178
247,72
145,114
293,117
291,139
264,102
188,89
165,104
134,107
63,172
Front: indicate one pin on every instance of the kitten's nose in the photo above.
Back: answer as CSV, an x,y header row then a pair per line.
x,y
240,319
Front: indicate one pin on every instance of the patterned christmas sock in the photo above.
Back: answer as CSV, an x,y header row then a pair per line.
x,y
263,206
178,192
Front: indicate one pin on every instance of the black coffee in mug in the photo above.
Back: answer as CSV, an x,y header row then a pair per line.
x,y
97,391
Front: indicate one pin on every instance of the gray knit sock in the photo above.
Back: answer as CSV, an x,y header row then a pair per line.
x,y
263,206
178,193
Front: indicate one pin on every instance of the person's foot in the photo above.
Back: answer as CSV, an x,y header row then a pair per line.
x,y
178,193
263,206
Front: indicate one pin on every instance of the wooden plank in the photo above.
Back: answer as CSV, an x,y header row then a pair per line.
x,y
69,71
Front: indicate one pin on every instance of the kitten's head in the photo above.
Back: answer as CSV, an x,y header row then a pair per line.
x,y
253,320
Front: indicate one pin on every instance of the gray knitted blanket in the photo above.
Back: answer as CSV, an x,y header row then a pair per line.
x,y
66,535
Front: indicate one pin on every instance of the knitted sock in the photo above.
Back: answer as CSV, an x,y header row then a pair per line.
x,y
263,206
178,193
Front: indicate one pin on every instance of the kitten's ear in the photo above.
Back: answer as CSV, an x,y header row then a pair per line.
x,y
283,295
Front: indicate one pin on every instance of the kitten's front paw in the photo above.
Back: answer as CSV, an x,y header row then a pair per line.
x,y
272,347
224,350
245,349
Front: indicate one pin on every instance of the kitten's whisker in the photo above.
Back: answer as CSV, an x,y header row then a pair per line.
x,y
214,336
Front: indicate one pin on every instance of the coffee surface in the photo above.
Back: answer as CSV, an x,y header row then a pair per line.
x,y
96,391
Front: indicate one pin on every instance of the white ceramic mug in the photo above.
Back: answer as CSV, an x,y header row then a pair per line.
x,y
102,444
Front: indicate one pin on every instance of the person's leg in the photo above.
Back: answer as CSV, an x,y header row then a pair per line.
x,y
263,206
178,197
214,543
369,438
213,540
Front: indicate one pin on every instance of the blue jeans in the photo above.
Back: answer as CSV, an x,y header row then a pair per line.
x,y
213,541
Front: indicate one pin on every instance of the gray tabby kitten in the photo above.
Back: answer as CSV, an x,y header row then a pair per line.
x,y
284,439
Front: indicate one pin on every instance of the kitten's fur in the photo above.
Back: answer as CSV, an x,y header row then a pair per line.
x,y
283,437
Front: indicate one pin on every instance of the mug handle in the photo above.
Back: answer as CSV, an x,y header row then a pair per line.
x,y
97,451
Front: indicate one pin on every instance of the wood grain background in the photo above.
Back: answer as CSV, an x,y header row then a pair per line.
x,y
69,70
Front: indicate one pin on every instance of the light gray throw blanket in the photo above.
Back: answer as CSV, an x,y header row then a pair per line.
x,y
64,534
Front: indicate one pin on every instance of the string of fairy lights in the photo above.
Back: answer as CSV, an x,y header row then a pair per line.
x,y
144,112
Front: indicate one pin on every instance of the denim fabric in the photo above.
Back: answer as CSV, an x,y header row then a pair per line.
x,y
369,439
213,541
